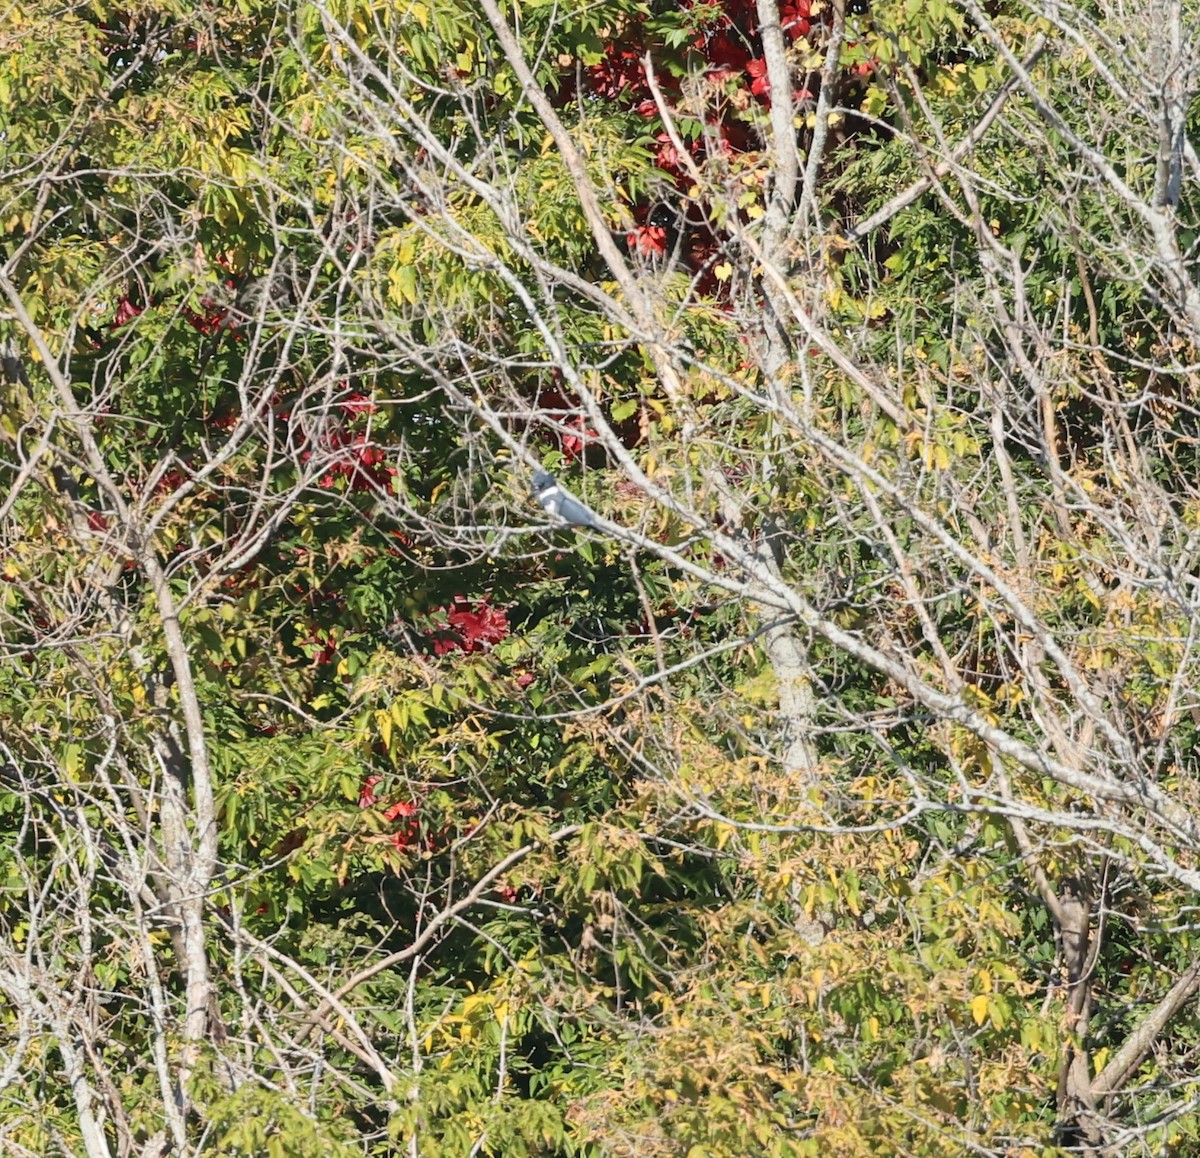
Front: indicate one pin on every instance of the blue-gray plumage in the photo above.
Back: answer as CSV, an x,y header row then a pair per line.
x,y
559,504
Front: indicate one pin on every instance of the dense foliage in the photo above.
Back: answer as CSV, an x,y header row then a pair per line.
x,y
835,794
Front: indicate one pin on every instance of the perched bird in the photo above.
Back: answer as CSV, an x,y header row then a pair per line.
x,y
559,504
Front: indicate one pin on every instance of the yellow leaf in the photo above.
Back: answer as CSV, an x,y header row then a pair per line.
x,y
383,721
403,284
475,1001
979,1008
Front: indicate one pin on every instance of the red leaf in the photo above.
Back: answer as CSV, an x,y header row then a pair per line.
x,y
126,312
478,628
403,808
648,240
760,84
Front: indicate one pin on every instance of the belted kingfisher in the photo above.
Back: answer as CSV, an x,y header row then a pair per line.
x,y
559,504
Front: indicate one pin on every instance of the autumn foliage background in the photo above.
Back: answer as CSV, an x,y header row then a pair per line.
x,y
838,798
